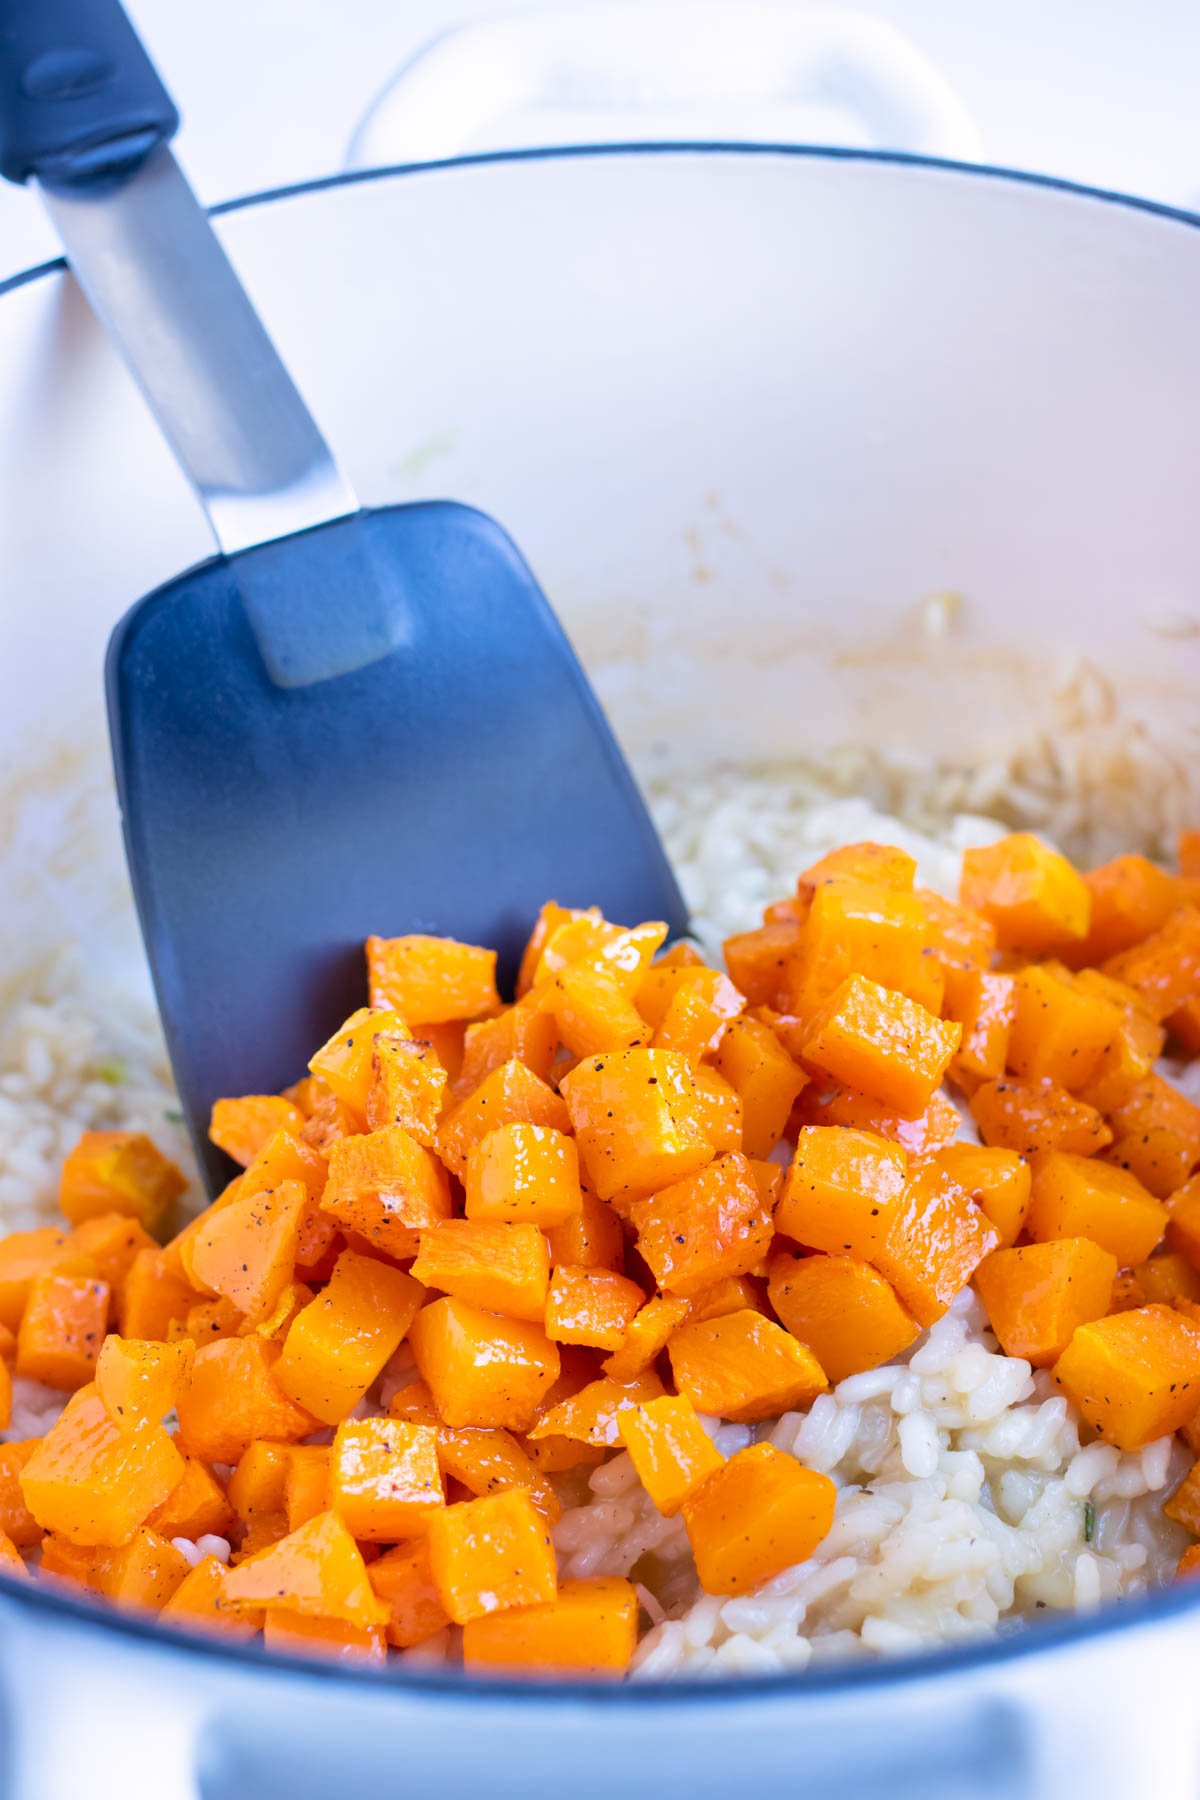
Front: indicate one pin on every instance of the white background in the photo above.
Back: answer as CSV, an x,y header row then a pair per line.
x,y
1105,91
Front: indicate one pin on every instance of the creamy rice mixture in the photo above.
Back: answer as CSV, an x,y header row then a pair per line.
x,y
965,1498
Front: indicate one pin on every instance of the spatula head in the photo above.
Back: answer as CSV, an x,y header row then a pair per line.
x,y
377,726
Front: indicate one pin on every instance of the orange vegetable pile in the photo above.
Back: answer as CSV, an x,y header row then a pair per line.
x,y
480,1247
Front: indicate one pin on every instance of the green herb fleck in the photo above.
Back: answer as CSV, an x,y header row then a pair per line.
x,y
1089,1521
114,1072
173,1116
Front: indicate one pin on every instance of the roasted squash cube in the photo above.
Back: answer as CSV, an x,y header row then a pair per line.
x,y
1076,1196
589,1628
123,1172
744,1367
244,1126
761,1513
701,1229
998,1181
234,1394
384,1479
1036,1116
95,1482
62,1329
499,1267
634,1118
1031,895
490,1554
882,1044
483,1369
1135,1376
511,1094
842,1309
317,1570
403,1580
525,1175
840,1190
670,1449
765,1078
433,979
590,1306
388,1188
338,1344
1037,1296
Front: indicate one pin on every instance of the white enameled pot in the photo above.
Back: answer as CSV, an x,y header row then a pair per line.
x,y
744,409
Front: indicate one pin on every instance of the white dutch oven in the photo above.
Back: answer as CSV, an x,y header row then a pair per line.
x,y
744,409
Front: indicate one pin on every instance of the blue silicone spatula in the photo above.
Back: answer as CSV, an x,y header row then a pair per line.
x,y
348,721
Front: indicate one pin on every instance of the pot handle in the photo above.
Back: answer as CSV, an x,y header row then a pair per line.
x,y
672,70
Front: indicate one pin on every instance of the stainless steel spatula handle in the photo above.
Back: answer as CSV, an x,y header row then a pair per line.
x,y
84,116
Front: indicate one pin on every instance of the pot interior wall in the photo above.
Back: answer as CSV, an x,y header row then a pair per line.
x,y
753,417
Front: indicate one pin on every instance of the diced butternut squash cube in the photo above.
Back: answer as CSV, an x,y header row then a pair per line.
x,y
434,979
62,1329
384,1479
144,1573
511,1094
327,1640
590,1415
491,1554
408,1088
759,961
524,1175
317,1570
760,1514
11,1561
1076,1196
1131,898
111,1241
16,1520
1183,1220
998,1181
140,1379
699,1230
590,1306
242,1127
24,1255
344,1064
882,1044
259,1483
744,1367
633,1114
1037,1296
246,1251
698,1012
1168,1279
1060,1031
387,1188
592,1011
1164,969
522,1033
119,1171
6,1395
591,1238
1037,1116
670,1449
937,1126
306,1488
152,1297
499,1267
840,1190
843,1309
1156,1136
95,1482
862,928
718,1110
647,1337
959,937
483,1369
936,1239
734,1293
766,1079
232,1396
1032,896
491,1462
403,1580
886,864
338,1344
1134,1376
196,1507
985,1006
589,1628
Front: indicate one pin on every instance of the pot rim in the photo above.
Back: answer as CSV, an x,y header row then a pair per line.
x,y
1017,1640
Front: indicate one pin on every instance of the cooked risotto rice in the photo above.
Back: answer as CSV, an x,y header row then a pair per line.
x,y
965,1500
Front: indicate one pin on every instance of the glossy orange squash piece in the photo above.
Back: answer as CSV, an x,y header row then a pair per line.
x,y
1131,899
1034,899
590,1238
1076,1196
199,1604
590,1415
522,1033
759,961
936,1238
761,1513
1038,1295
140,1379
1156,1136
882,1044
961,938
985,1006
338,1344
1036,1116
388,1188
152,1297
744,1367
123,1172
589,1628
998,1181
699,1230
510,1094
62,1329
24,1255
669,1448
432,979
633,1114
861,928
246,1252
502,1268
492,1461
1135,1376
525,1175
840,1190
766,1079
1164,969
316,1570
94,1481
242,1127
403,1580
384,1478
590,1306
842,1309
407,1088
233,1395
196,1507
483,1369
110,1241
646,1337
490,1554
329,1640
